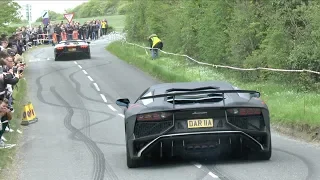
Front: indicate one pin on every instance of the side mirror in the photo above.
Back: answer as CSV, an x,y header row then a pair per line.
x,y
123,102
256,95
88,42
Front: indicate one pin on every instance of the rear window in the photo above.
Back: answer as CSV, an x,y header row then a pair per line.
x,y
147,101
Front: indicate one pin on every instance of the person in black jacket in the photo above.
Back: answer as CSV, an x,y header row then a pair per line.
x,y
58,31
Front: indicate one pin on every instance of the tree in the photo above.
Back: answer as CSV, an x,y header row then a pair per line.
x,y
9,12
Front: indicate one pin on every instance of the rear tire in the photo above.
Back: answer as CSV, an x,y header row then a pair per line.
x,y
55,57
131,163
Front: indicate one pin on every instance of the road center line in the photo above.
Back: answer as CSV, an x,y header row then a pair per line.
x,y
198,165
103,98
213,175
80,66
97,87
112,108
84,71
75,62
121,115
90,78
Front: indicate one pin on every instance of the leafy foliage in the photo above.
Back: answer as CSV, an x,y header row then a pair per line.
x,y
94,8
9,12
248,33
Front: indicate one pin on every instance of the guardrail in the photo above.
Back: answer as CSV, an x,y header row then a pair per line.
x,y
123,39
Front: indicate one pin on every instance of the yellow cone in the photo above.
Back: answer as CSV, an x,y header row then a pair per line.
x,y
33,113
28,115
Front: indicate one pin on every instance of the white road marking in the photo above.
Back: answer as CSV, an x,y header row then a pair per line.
x,y
48,59
75,62
80,66
121,115
90,78
103,98
19,131
213,175
112,108
84,71
4,139
198,165
97,87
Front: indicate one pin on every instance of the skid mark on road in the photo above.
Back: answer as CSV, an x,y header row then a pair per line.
x,y
78,89
99,159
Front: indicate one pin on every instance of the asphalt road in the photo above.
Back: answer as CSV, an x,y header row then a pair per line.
x,y
80,132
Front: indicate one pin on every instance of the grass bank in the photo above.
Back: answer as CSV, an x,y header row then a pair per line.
x,y
116,21
288,108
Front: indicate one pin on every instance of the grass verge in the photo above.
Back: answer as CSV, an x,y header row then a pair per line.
x,y
288,109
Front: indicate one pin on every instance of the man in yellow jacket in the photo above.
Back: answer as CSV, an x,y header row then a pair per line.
x,y
104,26
155,44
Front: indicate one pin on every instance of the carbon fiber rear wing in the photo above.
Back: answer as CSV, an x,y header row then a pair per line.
x,y
191,92
200,92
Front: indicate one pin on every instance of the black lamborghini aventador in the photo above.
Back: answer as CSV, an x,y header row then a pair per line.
x,y
174,119
74,48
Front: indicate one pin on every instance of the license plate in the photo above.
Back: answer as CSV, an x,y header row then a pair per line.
x,y
72,49
200,123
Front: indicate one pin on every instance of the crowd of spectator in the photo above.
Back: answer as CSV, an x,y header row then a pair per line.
x,y
11,71
57,31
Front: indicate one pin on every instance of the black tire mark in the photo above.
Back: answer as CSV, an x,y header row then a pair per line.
x,y
89,62
36,55
95,123
84,112
309,165
40,88
75,131
99,159
41,99
78,90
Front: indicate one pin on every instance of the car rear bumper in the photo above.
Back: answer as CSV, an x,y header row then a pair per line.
x,y
72,52
196,142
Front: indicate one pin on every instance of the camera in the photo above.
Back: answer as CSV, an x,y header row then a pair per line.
x,y
15,70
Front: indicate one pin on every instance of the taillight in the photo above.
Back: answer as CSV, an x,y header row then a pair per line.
x,y
156,116
83,46
245,111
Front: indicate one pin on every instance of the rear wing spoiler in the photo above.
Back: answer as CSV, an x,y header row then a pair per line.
x,y
201,92
191,92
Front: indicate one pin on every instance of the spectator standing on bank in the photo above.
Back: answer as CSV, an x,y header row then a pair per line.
x,y
104,27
